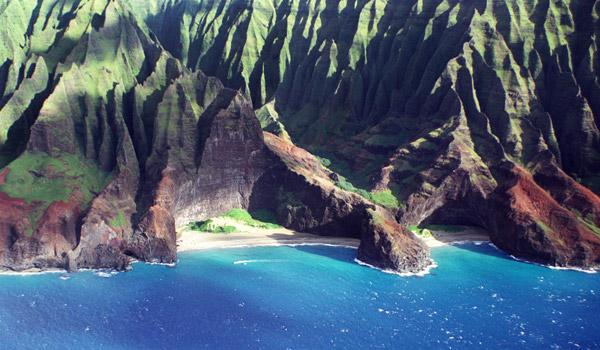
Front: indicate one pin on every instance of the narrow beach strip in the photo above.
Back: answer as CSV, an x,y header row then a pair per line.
x,y
250,237
194,240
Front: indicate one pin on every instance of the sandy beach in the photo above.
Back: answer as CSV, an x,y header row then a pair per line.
x,y
252,236
194,240
32,271
468,234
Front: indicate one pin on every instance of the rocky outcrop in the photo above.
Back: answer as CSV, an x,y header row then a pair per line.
x,y
390,246
308,200
108,171
430,101
530,223
455,112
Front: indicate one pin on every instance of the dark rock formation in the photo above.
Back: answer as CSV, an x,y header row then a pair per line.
x,y
429,100
309,201
473,112
532,224
151,146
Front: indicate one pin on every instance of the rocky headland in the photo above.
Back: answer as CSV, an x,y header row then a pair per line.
x,y
121,120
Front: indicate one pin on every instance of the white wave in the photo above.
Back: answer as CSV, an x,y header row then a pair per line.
x,y
578,269
319,244
103,274
469,242
172,264
590,271
256,260
30,273
106,273
426,271
460,243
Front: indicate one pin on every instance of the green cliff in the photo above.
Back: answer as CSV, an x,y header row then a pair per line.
x,y
445,112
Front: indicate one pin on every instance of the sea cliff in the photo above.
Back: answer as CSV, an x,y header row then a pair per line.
x,y
121,120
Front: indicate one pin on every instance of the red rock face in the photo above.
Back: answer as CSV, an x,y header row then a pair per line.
x,y
23,245
530,223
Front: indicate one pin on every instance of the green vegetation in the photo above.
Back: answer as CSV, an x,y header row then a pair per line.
x,y
264,219
118,221
593,227
377,219
587,221
388,198
211,227
41,180
424,231
255,219
324,161
39,177
544,227
384,198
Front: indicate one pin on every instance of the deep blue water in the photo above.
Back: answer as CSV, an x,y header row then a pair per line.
x,y
306,297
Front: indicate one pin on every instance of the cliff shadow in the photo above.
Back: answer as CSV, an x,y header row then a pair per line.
x,y
490,249
344,254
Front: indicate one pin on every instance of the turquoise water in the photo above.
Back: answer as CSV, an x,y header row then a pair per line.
x,y
305,297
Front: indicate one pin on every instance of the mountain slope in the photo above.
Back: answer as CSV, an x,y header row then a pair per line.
x,y
109,142
473,112
451,107
350,69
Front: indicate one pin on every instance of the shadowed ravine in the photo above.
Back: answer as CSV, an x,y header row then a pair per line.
x,y
113,130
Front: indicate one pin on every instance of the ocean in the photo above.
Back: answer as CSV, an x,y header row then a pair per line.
x,y
305,297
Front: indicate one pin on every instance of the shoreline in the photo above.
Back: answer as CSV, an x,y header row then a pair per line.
x,y
32,271
468,234
188,240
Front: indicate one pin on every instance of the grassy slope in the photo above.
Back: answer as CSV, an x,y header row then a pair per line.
x,y
82,132
43,179
264,219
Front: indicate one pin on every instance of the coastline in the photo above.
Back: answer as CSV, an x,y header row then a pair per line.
x,y
32,271
189,240
468,234
251,236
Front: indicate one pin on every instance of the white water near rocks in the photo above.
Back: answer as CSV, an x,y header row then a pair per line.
x,y
305,297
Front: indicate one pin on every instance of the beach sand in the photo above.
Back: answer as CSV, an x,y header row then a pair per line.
x,y
253,236
468,234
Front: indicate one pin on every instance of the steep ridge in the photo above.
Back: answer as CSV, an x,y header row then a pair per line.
x,y
110,142
462,111
474,112
364,69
